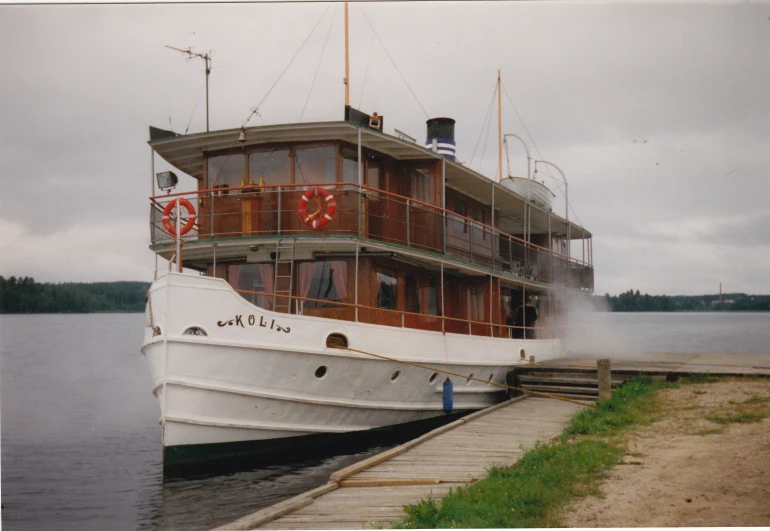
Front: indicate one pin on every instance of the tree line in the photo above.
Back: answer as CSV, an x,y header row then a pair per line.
x,y
24,295
633,301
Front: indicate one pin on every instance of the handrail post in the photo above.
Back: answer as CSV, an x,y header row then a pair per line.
x,y
278,214
356,280
443,316
470,238
211,193
402,319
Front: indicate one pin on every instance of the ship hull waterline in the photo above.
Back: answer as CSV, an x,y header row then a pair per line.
x,y
260,382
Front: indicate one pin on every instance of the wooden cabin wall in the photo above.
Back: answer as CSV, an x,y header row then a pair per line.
x,y
485,244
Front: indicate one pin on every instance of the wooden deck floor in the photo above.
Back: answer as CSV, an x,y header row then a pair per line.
x,y
460,454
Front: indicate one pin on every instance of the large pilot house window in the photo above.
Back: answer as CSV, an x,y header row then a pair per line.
x,y
226,171
253,278
349,165
387,289
421,185
325,281
315,165
273,166
475,303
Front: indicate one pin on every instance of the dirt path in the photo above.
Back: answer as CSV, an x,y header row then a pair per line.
x,y
685,470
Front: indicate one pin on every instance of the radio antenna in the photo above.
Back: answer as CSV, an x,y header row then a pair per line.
x,y
206,57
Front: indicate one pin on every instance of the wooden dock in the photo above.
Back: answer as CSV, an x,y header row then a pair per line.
x,y
372,493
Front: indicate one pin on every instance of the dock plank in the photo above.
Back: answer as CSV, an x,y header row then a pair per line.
x,y
455,456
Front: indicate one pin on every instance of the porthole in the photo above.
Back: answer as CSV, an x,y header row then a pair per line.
x,y
320,372
195,331
523,354
468,381
336,340
395,376
433,377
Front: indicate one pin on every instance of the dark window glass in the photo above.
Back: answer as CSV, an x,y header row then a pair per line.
x,y
349,165
227,171
250,278
272,166
460,208
326,281
429,297
478,231
387,292
315,165
411,295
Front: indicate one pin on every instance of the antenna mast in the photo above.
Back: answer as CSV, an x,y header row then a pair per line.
x,y
499,131
347,61
206,57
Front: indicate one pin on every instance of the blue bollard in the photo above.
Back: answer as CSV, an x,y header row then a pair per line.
x,y
448,395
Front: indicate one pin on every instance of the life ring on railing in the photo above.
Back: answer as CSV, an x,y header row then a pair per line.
x,y
171,227
311,220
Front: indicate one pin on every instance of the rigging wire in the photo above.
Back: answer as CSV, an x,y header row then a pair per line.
x,y
486,140
194,107
483,125
255,110
366,71
548,170
394,63
320,59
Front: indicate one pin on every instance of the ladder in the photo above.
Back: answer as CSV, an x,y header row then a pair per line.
x,y
283,304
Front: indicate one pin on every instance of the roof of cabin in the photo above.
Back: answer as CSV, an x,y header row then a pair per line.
x,y
187,152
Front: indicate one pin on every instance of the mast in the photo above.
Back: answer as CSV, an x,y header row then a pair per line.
x,y
499,131
347,60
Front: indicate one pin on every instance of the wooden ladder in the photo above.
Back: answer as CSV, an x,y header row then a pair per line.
x,y
283,304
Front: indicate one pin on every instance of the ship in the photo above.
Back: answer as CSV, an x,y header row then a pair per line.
x,y
328,278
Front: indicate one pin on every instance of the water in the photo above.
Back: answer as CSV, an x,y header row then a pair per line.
x,y
81,441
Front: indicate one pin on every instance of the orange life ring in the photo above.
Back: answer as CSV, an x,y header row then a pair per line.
x,y
311,220
171,227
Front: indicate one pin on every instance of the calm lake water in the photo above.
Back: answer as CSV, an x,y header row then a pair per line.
x,y
81,440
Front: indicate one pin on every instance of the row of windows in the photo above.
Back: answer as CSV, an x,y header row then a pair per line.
x,y
311,165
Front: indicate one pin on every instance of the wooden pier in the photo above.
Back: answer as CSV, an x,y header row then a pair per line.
x,y
372,493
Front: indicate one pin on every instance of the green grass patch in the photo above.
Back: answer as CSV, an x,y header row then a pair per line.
x,y
700,378
737,418
530,493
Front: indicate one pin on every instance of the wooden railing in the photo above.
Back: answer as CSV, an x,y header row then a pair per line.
x,y
404,319
374,214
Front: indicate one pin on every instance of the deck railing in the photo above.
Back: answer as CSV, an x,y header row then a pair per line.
x,y
365,212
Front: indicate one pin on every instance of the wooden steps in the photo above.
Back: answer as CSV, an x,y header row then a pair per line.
x,y
575,383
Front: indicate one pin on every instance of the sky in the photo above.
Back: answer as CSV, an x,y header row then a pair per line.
x,y
659,115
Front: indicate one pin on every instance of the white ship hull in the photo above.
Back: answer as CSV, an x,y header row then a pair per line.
x,y
253,377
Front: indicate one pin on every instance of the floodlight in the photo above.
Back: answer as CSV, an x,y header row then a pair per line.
x,y
167,180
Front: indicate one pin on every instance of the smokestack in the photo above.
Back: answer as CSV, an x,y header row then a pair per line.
x,y
441,137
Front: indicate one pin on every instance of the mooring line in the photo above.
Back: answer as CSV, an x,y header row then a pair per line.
x,y
336,343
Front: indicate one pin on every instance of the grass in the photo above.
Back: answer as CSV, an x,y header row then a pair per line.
x,y
530,493
751,410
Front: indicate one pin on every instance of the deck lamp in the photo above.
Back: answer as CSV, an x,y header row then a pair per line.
x,y
167,180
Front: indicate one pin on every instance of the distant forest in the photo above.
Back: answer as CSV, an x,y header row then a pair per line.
x,y
633,301
24,295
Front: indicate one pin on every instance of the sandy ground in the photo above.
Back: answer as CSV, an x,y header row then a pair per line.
x,y
685,470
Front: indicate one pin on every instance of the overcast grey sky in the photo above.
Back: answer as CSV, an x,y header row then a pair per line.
x,y
658,113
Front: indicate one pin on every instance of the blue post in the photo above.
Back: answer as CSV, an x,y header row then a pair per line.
x,y
448,395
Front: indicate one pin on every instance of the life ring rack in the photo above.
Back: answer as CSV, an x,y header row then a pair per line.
x,y
312,220
171,227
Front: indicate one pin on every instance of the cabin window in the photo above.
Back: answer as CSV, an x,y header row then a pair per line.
x,y
411,295
421,185
273,166
387,291
253,278
429,297
478,231
461,208
476,303
226,171
315,165
349,165
326,281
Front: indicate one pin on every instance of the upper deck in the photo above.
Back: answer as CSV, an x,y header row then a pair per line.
x,y
388,190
